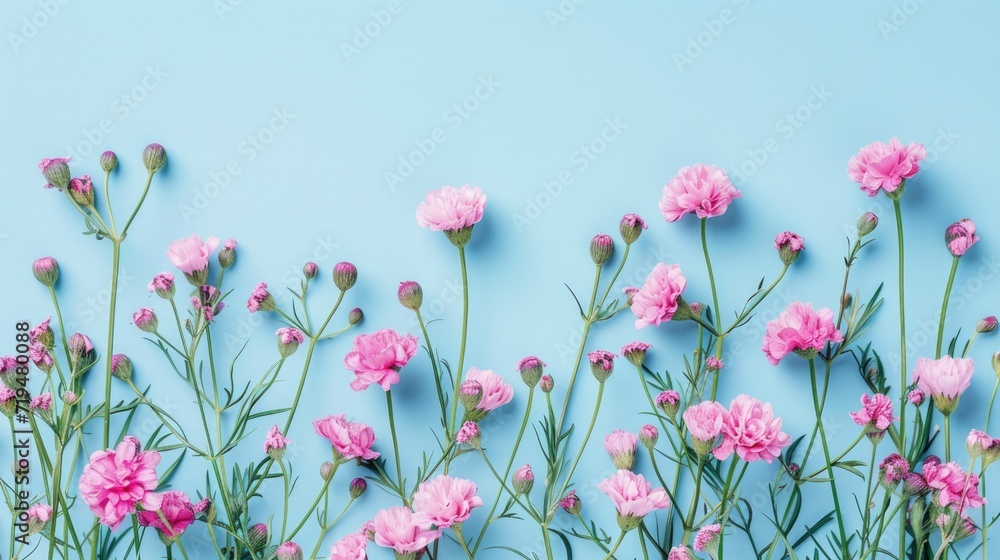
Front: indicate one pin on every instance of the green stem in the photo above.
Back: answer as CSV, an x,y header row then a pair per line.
x,y
579,353
583,445
145,190
395,446
826,455
693,508
310,510
457,529
715,305
548,542
902,327
947,438
838,457
434,367
869,496
642,543
460,372
621,537
115,262
284,514
107,200
944,307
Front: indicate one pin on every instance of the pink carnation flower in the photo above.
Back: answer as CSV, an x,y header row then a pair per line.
x,y
944,379
876,413
399,529
41,402
288,335
162,283
190,254
700,189
39,330
657,301
706,535
275,439
445,501
799,329
632,495
704,420
378,357
496,392
680,552
752,431
467,432
450,209
893,469
41,512
621,445
960,237
952,485
350,440
885,166
118,481
351,547
177,508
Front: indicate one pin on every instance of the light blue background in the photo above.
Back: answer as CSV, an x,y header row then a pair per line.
x,y
202,79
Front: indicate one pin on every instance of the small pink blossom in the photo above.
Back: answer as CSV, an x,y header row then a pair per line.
x,y
288,335
602,359
496,392
350,440
658,299
275,440
40,356
288,551
893,469
960,237
752,431
350,547
706,535
621,445
790,240
260,299
571,503
952,485
944,379
451,209
680,552
713,364
668,397
916,397
400,529
117,481
190,255
876,413
885,166
55,171
705,420
445,501
468,432
145,319
799,329
41,402
378,357
700,189
632,495
38,331
162,283
177,508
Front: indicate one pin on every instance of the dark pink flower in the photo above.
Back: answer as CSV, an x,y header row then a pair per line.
x,y
960,237
885,166
801,330
378,357
700,189
118,481
350,440
751,429
659,297
876,414
178,510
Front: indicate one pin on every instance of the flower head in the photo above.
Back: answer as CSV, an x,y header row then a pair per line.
x,y
179,512
880,166
700,189
875,415
46,271
960,237
153,157
621,445
190,255
357,488
55,171
119,480
81,189
453,211
752,431
631,228
350,440
410,295
867,224
707,539
403,531
38,517
275,443
660,297
350,547
495,392
704,421
530,369
668,401
289,339
523,479
713,364
601,248
633,497
789,245
648,435
121,367
109,161
345,275
571,503
444,501
163,285
207,301
261,299
952,486
468,434
602,363
378,357
42,402
893,470
944,379
635,352
801,330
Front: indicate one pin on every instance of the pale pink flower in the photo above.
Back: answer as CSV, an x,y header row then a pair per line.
x,y
960,237
680,552
177,508
657,301
117,481
496,392
162,284
704,420
952,485
706,535
944,379
145,319
752,431
378,357
190,255
713,364
41,512
916,397
979,442
445,501
632,495
876,413
399,529
351,547
467,433
700,189
350,440
801,330
275,439
41,402
288,335
450,209
885,166
621,445
288,551
648,435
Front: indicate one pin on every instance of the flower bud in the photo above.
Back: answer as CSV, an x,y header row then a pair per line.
x,y
70,398
708,538
275,443
668,402
914,484
355,316
695,308
309,270
470,394
602,364
530,369
326,471
145,320
258,536
631,227
109,161
867,224
916,397
345,275
996,363
601,247
38,517
679,552
46,271
288,551
789,245
571,503
794,470
121,367
358,487
986,325
621,445
8,373
960,237
893,470
648,435
56,172
261,299
846,301
81,353
8,400
629,295
153,157
635,352
546,384
163,285
227,255
713,364
81,190
523,480
289,339
468,434
410,295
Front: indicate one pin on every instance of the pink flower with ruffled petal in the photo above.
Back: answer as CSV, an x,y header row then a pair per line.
x,y
657,301
496,392
621,445
960,237
275,439
190,254
350,440
704,420
177,508
450,209
952,485
400,529
118,481
801,330
41,402
445,501
378,357
885,166
876,413
351,547
632,495
752,431
700,189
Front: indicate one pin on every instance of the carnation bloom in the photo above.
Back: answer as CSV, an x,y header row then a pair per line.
x,y
351,547
350,440
952,485
177,508
118,481
55,171
752,431
378,357
633,497
885,166
893,469
960,237
496,392
659,297
700,189
621,445
706,536
944,379
468,433
876,414
801,330
190,255
399,529
635,352
570,503
680,552
41,402
260,299
162,284
704,420
445,501
451,209
275,440
713,364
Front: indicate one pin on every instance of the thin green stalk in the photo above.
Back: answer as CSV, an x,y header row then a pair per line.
x,y
583,445
115,262
947,438
826,455
309,511
460,372
621,537
902,326
548,542
836,459
284,513
457,529
579,353
434,366
944,307
107,200
309,354
715,305
145,190
869,495
642,543
881,529
693,508
395,445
